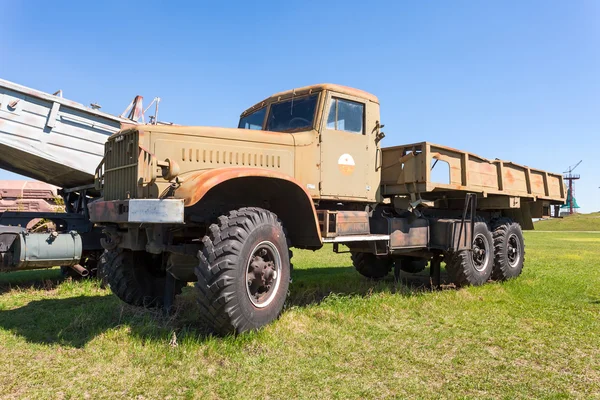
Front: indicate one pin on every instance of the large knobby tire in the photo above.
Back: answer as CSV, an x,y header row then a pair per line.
x,y
474,267
509,249
136,277
243,271
371,266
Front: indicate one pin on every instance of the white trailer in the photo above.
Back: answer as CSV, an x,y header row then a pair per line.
x,y
51,139
61,142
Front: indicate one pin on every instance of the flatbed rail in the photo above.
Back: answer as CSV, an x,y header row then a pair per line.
x,y
409,169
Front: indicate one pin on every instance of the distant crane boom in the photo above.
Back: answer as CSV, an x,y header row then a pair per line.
x,y
573,167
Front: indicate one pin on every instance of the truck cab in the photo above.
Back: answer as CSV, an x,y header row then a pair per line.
x,y
336,138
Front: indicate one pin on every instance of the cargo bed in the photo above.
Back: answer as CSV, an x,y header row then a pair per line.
x,y
436,172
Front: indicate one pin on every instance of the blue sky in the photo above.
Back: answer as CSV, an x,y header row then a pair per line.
x,y
516,80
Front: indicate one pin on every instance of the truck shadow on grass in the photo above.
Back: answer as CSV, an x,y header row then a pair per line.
x,y
69,322
311,286
35,279
75,321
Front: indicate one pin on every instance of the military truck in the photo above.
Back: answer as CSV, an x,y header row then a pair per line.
x,y
222,207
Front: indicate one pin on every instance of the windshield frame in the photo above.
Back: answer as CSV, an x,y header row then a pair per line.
x,y
266,110
310,127
269,102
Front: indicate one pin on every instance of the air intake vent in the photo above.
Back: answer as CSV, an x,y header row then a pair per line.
x,y
228,158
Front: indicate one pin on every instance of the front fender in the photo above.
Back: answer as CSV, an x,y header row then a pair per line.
x,y
196,185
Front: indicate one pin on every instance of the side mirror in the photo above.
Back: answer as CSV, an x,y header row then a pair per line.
x,y
377,131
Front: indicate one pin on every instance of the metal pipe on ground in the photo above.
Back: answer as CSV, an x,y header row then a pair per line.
x,y
80,270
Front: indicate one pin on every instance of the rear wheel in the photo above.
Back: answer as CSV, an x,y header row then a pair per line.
x,y
473,267
243,271
136,277
412,265
371,266
509,249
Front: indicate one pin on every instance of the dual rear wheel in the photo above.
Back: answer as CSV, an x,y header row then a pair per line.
x,y
473,267
498,253
509,249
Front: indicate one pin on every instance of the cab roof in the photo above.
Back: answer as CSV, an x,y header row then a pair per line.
x,y
315,88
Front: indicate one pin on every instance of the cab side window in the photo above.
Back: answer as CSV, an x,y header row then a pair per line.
x,y
346,115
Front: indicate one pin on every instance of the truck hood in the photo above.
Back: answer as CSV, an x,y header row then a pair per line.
x,y
236,134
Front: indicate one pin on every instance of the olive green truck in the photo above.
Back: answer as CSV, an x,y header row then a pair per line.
x,y
222,207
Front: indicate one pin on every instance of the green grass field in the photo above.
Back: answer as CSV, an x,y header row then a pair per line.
x,y
341,336
575,222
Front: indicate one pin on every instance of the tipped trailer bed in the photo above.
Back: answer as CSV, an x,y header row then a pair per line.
x,y
51,139
61,142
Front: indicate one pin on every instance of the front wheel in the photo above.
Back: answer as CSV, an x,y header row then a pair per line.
x,y
136,277
243,271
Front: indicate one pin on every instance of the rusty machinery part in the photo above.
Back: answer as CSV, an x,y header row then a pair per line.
x,y
40,225
412,265
243,271
111,240
473,267
136,277
371,266
74,271
87,267
509,249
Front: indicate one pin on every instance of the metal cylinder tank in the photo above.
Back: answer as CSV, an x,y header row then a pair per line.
x,y
42,250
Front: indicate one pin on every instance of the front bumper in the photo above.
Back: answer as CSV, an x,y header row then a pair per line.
x,y
138,211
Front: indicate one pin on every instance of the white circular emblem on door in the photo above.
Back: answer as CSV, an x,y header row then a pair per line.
x,y
346,164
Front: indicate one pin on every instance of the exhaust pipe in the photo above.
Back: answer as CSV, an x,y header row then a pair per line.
x,y
80,270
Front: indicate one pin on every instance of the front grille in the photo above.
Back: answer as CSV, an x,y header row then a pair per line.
x,y
121,155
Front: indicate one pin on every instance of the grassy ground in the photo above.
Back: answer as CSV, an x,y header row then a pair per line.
x,y
534,337
575,222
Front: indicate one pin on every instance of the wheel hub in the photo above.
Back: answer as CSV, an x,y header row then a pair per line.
x,y
513,251
263,274
480,252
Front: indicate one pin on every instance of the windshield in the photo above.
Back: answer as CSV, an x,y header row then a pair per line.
x,y
293,114
254,120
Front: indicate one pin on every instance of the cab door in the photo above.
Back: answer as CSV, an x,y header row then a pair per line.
x,y
348,150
